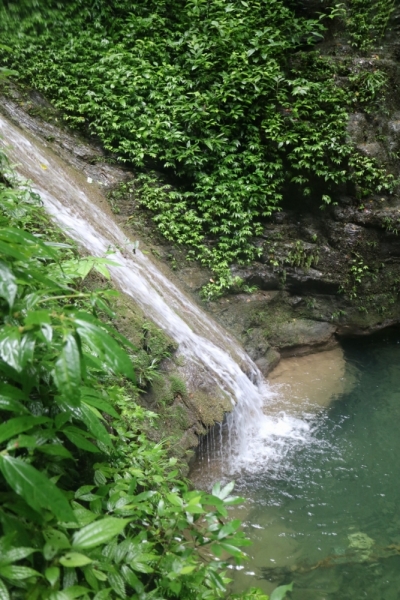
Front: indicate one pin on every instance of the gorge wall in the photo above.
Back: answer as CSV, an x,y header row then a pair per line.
x,y
323,272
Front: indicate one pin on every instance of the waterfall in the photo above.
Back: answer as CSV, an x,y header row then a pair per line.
x,y
75,205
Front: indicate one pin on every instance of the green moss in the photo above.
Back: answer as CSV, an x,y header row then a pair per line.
x,y
178,386
274,315
210,408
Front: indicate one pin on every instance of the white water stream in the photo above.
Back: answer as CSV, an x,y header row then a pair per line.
x,y
252,437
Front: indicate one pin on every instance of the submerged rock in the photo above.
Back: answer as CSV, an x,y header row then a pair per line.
x,y
361,544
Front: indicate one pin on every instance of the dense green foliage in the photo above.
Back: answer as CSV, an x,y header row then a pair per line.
x,y
367,21
218,95
89,507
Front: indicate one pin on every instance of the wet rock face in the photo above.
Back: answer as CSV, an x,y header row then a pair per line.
x,y
332,273
344,282
321,274
300,336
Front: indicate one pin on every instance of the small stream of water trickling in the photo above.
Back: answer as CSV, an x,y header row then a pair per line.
x,y
74,205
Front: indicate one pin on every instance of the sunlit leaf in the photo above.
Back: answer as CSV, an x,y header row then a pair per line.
x,y
13,427
67,371
99,532
35,488
8,284
52,575
74,559
17,572
4,595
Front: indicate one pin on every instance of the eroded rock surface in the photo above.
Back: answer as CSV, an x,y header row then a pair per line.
x,y
322,274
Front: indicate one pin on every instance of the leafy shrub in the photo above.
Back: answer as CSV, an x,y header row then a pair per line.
x,y
219,95
367,21
89,507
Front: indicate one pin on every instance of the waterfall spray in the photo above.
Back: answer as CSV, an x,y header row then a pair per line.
x,y
72,204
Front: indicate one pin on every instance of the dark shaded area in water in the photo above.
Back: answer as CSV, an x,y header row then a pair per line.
x,y
328,517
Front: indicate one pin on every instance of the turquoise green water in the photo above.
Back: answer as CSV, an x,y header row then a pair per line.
x,y
327,517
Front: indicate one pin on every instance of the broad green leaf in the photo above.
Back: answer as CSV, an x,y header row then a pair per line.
x,y
27,241
10,392
100,404
229,528
67,371
255,594
38,317
75,559
55,450
8,284
10,347
28,342
102,269
16,350
99,532
232,500
232,550
143,495
226,490
15,252
94,425
216,550
99,478
12,405
35,488
175,587
52,575
188,569
117,583
193,499
194,509
4,595
58,596
16,572
13,427
141,563
216,489
73,268
102,305
280,592
175,500
132,579
91,578
83,491
103,594
47,332
102,343
75,591
119,337
62,418
15,554
83,515
100,575
55,541
80,441
22,441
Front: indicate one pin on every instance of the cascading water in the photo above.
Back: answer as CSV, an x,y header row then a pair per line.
x,y
250,437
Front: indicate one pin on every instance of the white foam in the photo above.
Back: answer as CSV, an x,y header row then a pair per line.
x,y
252,437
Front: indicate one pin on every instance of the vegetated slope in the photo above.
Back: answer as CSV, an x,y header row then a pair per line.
x,y
219,95
89,507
